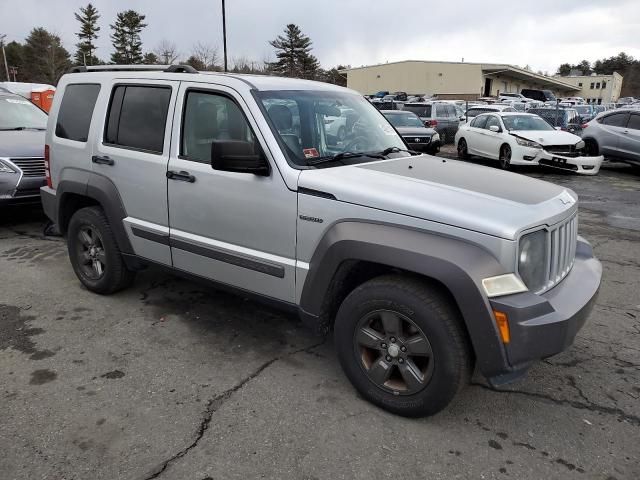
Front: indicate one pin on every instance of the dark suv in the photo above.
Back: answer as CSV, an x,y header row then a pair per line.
x,y
440,116
22,131
566,119
540,95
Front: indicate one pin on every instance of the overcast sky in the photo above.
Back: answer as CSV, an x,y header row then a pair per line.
x,y
540,33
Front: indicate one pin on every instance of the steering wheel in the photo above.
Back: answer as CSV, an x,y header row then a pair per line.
x,y
361,141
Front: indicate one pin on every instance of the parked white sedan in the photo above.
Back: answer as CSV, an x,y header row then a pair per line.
x,y
515,138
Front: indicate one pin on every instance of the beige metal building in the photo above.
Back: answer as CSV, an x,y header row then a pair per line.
x,y
596,88
452,80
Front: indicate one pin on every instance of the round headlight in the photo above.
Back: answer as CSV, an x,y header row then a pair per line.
x,y
532,260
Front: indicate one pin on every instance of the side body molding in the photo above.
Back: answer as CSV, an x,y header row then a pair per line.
x,y
458,265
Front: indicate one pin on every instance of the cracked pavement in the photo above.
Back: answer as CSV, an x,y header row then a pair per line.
x,y
175,380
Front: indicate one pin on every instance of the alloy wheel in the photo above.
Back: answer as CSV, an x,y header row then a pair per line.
x,y
91,253
394,352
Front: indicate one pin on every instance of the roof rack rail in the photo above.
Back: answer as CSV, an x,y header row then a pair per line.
x,y
134,68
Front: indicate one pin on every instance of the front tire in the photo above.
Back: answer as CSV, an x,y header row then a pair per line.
x,y
463,149
505,157
94,253
591,148
401,344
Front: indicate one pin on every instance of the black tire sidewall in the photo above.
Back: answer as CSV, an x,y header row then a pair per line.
x,y
111,279
505,165
464,154
448,368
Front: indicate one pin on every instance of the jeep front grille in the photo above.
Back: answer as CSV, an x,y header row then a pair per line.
x,y
562,250
31,167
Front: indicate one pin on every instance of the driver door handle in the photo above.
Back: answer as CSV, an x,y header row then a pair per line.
x,y
181,176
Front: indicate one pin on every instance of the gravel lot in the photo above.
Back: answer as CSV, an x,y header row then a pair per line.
x,y
174,380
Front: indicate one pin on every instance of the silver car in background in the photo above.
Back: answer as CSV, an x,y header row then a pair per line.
x,y
615,134
22,131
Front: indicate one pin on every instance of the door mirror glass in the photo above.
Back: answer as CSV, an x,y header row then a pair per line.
x,y
238,156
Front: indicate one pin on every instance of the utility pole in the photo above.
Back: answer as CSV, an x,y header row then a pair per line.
x,y
4,54
224,35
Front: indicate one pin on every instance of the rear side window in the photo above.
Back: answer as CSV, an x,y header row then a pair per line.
x,y
420,110
137,117
616,120
76,110
634,122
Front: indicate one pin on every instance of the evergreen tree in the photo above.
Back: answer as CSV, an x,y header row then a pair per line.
x,y
150,58
126,38
293,53
45,59
88,18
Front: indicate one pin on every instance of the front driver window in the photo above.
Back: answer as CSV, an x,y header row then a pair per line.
x,y
492,122
209,117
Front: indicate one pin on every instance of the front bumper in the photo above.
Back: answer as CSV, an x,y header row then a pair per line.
x,y
583,165
18,190
544,325
536,156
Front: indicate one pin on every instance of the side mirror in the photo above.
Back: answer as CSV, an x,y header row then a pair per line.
x,y
558,128
238,156
494,128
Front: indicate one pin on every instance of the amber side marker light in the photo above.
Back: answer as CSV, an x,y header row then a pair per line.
x,y
503,326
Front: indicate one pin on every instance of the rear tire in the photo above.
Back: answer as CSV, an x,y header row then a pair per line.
x,y
94,253
401,344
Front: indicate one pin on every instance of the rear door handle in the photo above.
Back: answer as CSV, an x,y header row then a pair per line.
x,y
102,160
181,176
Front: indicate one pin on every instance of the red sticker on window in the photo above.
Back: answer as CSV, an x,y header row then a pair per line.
x,y
310,153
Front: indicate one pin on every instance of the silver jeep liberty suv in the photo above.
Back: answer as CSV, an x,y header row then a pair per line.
x,y
424,268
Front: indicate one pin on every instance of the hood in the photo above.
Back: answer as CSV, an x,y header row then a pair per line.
x,y
415,131
22,143
474,197
548,137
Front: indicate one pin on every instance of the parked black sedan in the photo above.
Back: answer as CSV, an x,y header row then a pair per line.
x,y
417,136
22,130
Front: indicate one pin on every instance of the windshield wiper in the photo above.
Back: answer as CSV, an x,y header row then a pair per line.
x,y
389,150
338,157
21,128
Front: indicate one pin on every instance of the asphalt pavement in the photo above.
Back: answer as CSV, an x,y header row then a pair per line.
x,y
175,380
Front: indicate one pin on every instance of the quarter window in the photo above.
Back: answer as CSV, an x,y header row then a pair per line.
x,y
137,117
209,117
76,110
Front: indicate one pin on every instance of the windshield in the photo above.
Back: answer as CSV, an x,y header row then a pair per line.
x,y
525,122
474,112
311,125
404,119
20,113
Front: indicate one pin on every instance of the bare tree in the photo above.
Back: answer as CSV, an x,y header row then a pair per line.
x,y
167,52
206,54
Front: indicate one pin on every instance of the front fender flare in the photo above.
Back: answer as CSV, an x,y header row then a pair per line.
x,y
457,264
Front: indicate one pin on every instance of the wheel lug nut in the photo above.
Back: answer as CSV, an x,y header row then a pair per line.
x,y
401,360
393,339
403,348
384,345
388,358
